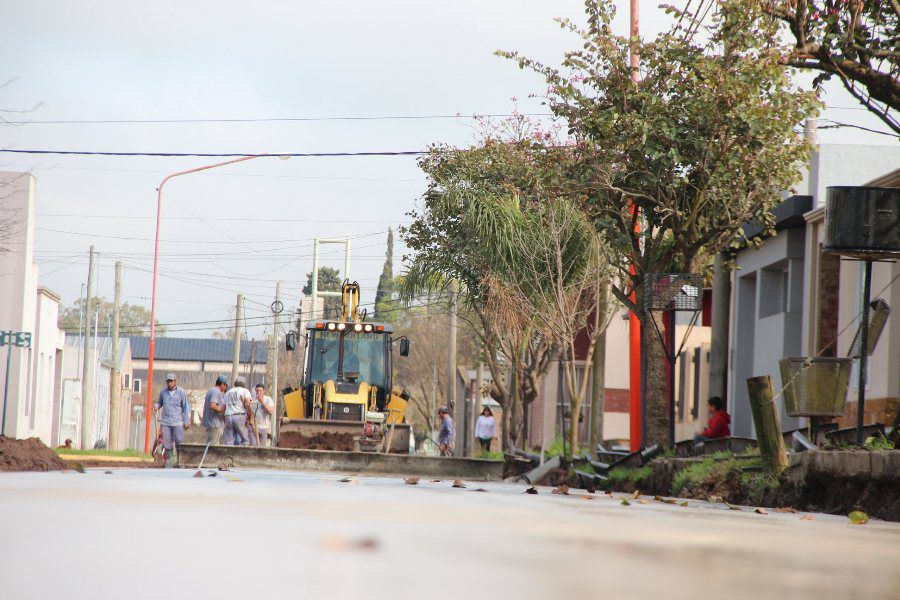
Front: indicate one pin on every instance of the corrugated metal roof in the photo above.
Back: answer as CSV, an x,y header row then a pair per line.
x,y
104,347
210,350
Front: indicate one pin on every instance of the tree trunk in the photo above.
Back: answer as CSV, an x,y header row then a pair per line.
x,y
718,352
656,397
767,424
598,390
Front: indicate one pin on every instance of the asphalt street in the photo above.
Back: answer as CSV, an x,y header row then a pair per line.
x,y
136,534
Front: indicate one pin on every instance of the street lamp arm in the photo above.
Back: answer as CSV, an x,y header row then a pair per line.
x,y
152,345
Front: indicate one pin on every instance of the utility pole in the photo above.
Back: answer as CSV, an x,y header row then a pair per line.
x,y
277,307
458,415
87,372
116,390
236,357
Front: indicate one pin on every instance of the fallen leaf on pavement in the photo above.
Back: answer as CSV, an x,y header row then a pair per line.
x,y
761,511
683,504
531,490
785,509
457,483
587,497
806,517
609,493
233,478
732,506
110,473
77,466
411,480
642,501
715,498
212,474
664,500
479,490
563,489
636,494
858,517
345,480
435,481
625,502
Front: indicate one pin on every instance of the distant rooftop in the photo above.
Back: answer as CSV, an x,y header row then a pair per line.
x,y
187,349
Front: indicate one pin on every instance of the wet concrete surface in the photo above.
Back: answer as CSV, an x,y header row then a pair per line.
x,y
137,534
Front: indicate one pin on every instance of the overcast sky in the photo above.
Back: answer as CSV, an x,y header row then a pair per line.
x,y
243,227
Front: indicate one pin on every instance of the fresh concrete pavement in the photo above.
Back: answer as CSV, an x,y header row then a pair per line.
x,y
142,533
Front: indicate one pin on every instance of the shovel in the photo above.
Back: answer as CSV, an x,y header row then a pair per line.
x,y
199,472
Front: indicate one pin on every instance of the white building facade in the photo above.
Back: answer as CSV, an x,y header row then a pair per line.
x,y
29,391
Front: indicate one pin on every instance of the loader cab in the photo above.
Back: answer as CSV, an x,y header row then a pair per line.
x,y
349,353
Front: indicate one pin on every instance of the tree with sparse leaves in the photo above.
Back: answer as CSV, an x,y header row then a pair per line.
x,y
329,281
670,167
134,320
856,41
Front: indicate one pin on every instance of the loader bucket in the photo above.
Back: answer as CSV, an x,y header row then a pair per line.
x,y
347,436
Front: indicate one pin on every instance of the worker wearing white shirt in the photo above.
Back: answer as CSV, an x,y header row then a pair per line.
x,y
263,408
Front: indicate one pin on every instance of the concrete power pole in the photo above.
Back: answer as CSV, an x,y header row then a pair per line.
x,y
87,371
276,347
238,319
116,391
457,410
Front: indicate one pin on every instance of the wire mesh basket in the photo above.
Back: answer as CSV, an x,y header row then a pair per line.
x,y
674,291
815,387
879,311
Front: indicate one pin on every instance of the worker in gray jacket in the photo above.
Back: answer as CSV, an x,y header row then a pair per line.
x,y
173,412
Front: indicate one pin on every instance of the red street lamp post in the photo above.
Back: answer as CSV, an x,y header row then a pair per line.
x,y
159,198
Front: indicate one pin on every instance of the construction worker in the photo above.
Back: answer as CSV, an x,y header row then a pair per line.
x,y
446,432
237,403
214,411
173,412
263,407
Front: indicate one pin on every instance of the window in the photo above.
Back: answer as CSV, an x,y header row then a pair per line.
x,y
363,353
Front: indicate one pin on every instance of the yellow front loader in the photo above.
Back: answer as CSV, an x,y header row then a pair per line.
x,y
348,399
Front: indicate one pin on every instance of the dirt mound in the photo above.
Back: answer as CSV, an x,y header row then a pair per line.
x,y
319,441
28,455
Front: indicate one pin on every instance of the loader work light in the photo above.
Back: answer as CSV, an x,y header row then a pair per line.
x,y
368,327
358,327
341,326
330,327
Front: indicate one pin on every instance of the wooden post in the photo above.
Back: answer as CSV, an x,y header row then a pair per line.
x,y
767,424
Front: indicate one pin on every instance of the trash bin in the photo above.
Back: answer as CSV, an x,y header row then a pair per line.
x,y
815,387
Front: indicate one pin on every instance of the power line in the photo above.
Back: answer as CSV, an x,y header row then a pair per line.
x,y
239,219
274,119
221,155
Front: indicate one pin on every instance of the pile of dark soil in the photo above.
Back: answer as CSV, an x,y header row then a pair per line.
x,y
28,455
319,441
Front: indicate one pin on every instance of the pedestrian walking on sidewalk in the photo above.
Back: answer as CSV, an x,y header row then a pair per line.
x,y
446,432
485,429
237,403
214,411
173,411
263,408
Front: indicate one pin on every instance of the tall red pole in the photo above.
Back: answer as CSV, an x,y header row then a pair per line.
x,y
634,324
152,347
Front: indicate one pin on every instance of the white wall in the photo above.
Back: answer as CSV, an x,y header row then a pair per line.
x,y
847,164
37,418
18,279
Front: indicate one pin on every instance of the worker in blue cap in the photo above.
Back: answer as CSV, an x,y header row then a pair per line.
x,y
173,412
214,411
